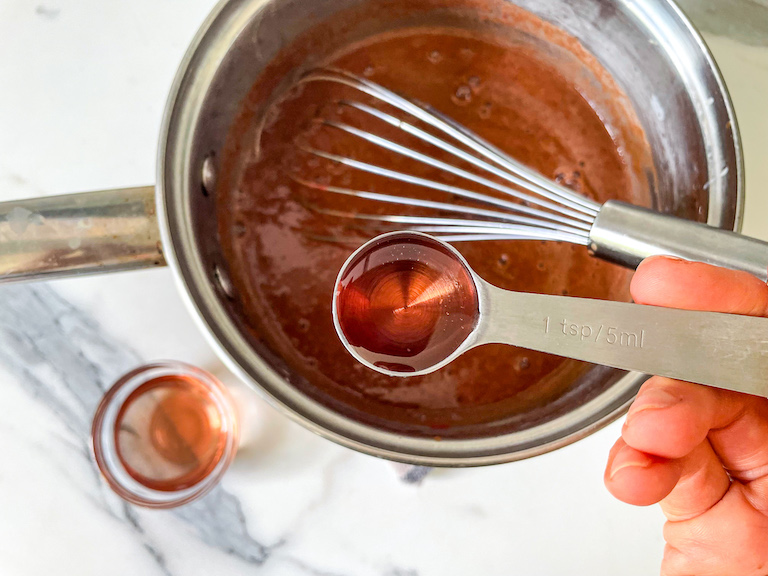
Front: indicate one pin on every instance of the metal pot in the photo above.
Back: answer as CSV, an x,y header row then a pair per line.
x,y
649,48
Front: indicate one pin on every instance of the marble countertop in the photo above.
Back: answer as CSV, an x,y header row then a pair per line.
x,y
82,88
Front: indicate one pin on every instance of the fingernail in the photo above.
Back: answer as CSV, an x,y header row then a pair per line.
x,y
628,458
654,399
660,257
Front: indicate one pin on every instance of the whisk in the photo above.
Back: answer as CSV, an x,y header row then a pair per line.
x,y
503,198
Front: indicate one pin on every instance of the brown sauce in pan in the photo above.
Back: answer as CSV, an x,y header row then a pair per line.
x,y
284,271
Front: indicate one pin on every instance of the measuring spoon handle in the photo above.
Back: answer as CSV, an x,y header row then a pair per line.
x,y
722,350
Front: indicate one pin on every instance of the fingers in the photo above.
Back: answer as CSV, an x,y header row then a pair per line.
x,y
663,281
673,562
638,478
701,485
731,538
670,418
686,487
680,438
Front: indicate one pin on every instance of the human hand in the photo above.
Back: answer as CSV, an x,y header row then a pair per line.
x,y
701,452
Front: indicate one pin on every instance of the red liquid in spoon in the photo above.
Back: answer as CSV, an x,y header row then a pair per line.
x,y
406,303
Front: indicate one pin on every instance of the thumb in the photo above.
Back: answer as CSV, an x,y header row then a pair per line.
x,y
674,283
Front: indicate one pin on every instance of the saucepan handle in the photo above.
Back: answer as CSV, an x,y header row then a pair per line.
x,y
627,234
76,234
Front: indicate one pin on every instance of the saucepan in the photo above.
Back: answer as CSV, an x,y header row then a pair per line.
x,y
649,49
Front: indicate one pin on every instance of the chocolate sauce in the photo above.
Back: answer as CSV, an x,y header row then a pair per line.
x,y
283,265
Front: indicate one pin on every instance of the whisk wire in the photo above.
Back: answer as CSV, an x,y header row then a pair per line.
x,y
451,128
443,206
541,210
442,187
524,233
435,163
477,162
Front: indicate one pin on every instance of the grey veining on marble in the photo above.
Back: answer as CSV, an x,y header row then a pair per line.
x,y
411,474
68,362
742,20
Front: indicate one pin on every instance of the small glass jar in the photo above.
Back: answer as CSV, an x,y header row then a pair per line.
x,y
164,434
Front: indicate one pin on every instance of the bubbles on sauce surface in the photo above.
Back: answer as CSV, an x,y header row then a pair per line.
x,y
462,96
522,363
239,229
435,57
570,179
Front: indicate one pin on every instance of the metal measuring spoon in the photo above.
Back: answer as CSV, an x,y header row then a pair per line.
x,y
407,304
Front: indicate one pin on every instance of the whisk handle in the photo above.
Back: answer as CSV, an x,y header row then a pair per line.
x,y
627,234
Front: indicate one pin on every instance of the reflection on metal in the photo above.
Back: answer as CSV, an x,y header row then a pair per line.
x,y
628,234
76,234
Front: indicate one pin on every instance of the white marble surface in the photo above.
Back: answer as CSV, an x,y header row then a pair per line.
x,y
82,88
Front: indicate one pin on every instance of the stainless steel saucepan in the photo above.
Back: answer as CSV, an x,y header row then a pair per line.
x,y
650,50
